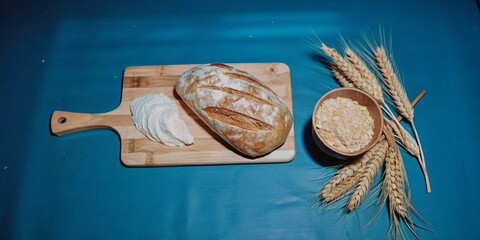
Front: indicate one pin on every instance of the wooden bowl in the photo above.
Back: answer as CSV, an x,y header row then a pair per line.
x,y
363,99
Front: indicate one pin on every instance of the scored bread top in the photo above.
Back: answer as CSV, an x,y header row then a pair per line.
x,y
237,106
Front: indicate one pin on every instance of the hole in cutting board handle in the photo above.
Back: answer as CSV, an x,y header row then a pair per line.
x,y
62,120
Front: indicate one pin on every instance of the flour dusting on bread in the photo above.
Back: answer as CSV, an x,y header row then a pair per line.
x,y
238,107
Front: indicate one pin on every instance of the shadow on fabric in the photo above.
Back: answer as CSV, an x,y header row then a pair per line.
x,y
315,152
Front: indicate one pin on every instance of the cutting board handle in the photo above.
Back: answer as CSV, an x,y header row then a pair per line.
x,y
63,123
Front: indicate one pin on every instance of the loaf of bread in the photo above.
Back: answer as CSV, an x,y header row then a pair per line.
x,y
239,108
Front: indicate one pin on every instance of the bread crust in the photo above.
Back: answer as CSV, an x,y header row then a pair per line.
x,y
238,107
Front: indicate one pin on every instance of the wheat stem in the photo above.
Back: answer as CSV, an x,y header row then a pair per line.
x,y
400,99
404,139
424,165
400,129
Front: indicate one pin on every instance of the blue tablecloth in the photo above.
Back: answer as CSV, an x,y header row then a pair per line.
x,y
70,55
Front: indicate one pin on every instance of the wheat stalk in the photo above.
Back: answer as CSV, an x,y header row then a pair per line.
x,y
371,169
400,99
372,86
393,189
341,79
393,84
422,157
404,138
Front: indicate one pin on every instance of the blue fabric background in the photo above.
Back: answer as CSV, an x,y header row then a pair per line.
x,y
69,55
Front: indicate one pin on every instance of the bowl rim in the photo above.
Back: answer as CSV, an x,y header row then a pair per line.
x,y
339,152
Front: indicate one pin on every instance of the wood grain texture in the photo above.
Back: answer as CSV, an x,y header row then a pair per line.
x,y
208,149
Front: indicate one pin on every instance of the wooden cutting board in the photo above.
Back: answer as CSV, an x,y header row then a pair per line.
x,y
208,148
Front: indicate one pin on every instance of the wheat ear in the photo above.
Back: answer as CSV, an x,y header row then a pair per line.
x,y
346,67
337,183
342,188
393,189
404,139
394,182
341,175
341,79
393,84
400,99
372,85
370,171
336,180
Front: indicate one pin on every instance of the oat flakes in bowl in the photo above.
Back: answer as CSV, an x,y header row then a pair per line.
x,y
346,122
